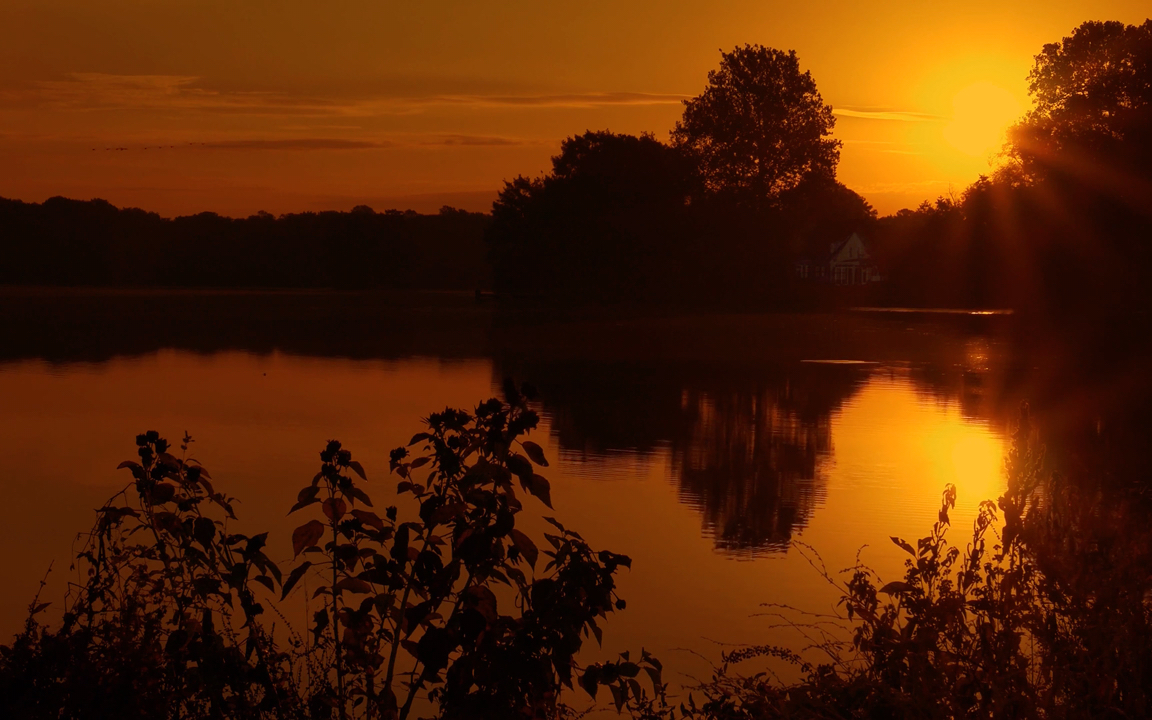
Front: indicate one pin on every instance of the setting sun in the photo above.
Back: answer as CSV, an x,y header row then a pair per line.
x,y
981,114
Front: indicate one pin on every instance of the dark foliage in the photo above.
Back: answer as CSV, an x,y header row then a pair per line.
x,y
72,242
1093,113
629,219
454,604
163,619
760,128
610,222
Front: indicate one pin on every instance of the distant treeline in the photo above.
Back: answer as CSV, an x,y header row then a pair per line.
x,y
75,243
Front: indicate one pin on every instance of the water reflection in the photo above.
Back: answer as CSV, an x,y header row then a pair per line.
x,y
680,437
751,464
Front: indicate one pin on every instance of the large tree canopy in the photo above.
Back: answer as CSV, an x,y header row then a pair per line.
x,y
760,127
1093,101
604,224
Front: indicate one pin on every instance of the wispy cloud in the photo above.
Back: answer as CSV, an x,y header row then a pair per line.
x,y
442,140
293,144
474,141
561,100
884,114
96,91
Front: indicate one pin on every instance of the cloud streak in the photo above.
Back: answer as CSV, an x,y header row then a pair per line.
x,y
294,144
474,141
327,143
571,100
891,115
100,91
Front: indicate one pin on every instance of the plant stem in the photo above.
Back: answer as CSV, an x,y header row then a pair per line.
x,y
399,623
336,617
416,685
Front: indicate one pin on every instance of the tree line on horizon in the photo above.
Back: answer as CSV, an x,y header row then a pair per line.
x,y
63,242
717,216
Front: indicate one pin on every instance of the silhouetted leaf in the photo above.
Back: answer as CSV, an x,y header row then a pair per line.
x,y
597,632
370,519
526,546
306,536
535,452
434,648
321,620
418,463
485,602
419,437
634,687
907,548
293,578
590,680
896,587
334,509
204,530
169,461
357,468
355,585
617,696
303,504
265,581
39,609
169,521
654,674
520,466
542,489
359,495
162,493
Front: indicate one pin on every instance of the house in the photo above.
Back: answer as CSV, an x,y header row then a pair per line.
x,y
848,262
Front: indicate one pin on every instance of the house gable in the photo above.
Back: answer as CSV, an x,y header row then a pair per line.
x,y
851,250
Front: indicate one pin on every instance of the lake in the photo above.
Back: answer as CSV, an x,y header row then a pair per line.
x,y
703,446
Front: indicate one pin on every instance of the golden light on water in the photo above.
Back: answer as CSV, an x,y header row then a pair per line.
x,y
895,449
982,113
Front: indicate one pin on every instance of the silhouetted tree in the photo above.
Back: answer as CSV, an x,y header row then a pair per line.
x,y
1093,96
603,225
760,127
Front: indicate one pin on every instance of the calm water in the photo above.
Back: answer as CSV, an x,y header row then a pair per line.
x,y
701,446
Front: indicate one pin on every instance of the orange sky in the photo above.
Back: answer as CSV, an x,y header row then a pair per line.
x,y
290,105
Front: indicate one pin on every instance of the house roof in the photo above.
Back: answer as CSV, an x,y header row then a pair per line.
x,y
840,245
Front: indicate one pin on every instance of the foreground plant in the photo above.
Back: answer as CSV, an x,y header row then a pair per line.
x,y
163,619
456,604
441,599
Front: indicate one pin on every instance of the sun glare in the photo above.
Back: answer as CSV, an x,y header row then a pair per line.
x,y
981,114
